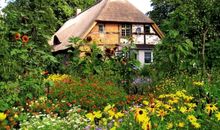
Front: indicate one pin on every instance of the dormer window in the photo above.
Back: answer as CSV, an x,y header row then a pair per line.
x,y
56,41
101,28
125,30
146,28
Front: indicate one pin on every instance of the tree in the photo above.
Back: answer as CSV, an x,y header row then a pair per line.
x,y
35,18
162,9
198,21
64,9
26,28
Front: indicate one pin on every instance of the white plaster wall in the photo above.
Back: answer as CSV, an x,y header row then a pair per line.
x,y
152,30
135,26
138,39
140,56
152,39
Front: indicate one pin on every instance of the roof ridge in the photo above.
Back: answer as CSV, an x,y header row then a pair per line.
x,y
86,9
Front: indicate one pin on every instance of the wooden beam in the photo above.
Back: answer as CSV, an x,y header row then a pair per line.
x,y
158,31
89,30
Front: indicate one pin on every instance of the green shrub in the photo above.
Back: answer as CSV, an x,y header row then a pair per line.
x,y
32,87
146,71
16,93
8,95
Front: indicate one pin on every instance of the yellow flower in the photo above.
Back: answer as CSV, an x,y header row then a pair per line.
x,y
90,116
107,108
218,116
151,109
181,124
116,124
173,100
191,105
57,77
180,93
2,116
162,96
199,84
104,121
196,124
119,115
183,109
113,128
210,108
188,98
141,115
169,126
169,107
111,114
161,113
146,125
145,103
97,114
158,103
191,118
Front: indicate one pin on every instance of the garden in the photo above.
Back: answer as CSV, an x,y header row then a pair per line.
x,y
103,91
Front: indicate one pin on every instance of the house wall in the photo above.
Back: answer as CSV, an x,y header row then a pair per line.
x,y
109,37
152,39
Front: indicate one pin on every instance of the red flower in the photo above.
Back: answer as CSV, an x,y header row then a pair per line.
x,y
17,36
25,39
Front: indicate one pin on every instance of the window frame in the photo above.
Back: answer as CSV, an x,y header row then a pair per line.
x,y
126,30
147,28
151,57
101,28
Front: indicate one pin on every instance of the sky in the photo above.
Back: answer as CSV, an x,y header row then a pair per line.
x,y
2,3
142,5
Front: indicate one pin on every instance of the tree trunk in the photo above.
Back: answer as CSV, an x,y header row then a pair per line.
x,y
203,52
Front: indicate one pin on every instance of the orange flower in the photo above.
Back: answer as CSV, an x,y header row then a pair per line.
x,y
17,36
25,39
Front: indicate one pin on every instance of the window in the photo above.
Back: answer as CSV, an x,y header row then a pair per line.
x,y
148,57
146,28
101,28
125,30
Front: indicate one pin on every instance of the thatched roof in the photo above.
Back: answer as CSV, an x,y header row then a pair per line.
x,y
106,10
122,11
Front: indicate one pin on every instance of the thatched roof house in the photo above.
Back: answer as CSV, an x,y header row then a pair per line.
x,y
108,22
